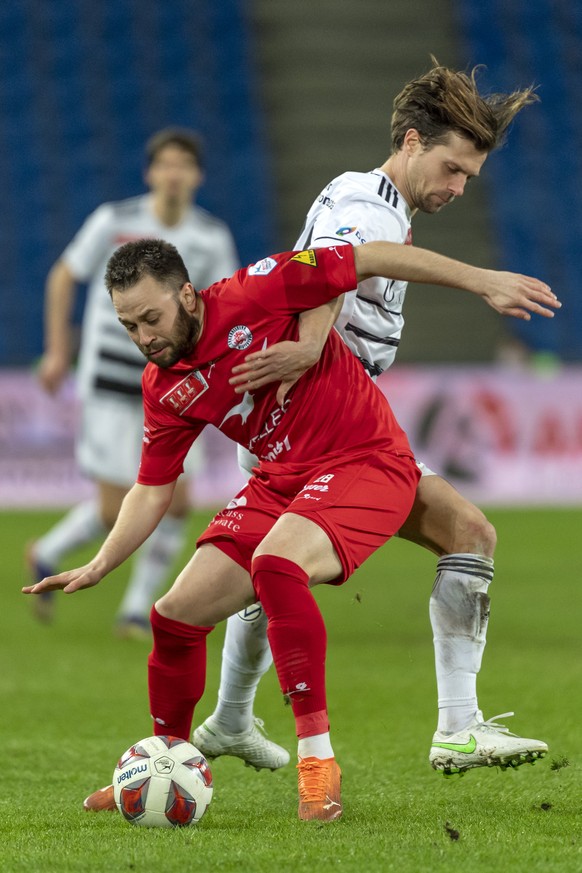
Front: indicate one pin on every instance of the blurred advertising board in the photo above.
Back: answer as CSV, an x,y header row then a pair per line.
x,y
37,462
501,436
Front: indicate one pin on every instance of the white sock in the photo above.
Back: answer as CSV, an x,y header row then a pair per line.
x,y
151,568
459,612
246,657
81,525
318,746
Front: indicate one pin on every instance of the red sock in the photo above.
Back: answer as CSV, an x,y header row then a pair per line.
x,y
298,639
176,674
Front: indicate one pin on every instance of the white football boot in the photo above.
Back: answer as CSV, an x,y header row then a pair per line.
x,y
252,745
483,744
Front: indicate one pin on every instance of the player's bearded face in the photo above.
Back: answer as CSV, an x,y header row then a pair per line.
x,y
158,321
181,339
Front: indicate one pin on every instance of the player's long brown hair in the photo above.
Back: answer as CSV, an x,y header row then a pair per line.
x,y
445,100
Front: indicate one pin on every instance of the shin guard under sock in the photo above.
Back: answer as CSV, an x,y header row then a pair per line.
x,y
176,674
246,656
298,639
459,613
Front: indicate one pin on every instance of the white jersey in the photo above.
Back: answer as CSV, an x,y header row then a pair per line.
x,y
353,209
109,362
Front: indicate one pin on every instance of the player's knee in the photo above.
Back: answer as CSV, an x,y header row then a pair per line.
x,y
109,516
179,514
110,500
180,504
270,573
473,532
168,606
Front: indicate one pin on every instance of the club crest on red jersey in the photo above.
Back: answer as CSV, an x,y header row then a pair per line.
x,y
239,337
185,393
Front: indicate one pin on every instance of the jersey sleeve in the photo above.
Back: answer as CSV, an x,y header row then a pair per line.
x,y
90,246
355,220
291,282
166,442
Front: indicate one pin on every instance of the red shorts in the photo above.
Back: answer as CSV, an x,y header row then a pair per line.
x,y
359,504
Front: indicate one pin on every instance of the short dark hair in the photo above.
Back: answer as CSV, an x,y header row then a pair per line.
x,y
444,101
145,257
186,139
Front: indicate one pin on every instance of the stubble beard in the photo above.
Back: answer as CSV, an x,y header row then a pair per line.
x,y
186,329
433,203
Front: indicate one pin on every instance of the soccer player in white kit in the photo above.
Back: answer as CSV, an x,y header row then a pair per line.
x,y
442,132
110,366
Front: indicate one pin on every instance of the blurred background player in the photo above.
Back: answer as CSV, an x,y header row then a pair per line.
x,y
442,132
110,366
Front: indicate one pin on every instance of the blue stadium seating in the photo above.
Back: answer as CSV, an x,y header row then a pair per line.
x,y
82,86
537,177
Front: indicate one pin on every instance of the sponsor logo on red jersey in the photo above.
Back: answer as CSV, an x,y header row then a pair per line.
x,y
185,393
261,268
307,257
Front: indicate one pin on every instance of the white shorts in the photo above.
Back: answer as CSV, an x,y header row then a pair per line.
x,y
108,448
246,461
424,470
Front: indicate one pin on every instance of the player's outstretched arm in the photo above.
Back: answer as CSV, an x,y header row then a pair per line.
x,y
140,513
286,361
507,293
59,299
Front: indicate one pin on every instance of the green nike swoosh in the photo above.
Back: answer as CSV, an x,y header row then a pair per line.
x,y
466,749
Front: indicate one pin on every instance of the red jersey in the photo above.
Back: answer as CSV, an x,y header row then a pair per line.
x,y
334,410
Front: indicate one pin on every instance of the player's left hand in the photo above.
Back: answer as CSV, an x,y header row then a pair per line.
x,y
283,362
517,295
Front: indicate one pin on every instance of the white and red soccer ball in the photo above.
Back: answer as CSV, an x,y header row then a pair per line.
x,y
162,782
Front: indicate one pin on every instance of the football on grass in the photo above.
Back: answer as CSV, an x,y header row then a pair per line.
x,y
162,782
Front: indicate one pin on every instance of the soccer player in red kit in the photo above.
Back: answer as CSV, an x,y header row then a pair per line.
x,y
336,476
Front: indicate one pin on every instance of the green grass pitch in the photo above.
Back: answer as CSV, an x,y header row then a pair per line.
x,y
74,698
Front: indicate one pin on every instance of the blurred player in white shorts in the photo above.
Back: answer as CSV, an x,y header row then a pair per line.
x,y
109,370
110,438
442,132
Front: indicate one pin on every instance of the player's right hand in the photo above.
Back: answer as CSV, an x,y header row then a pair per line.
x,y
69,581
52,371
